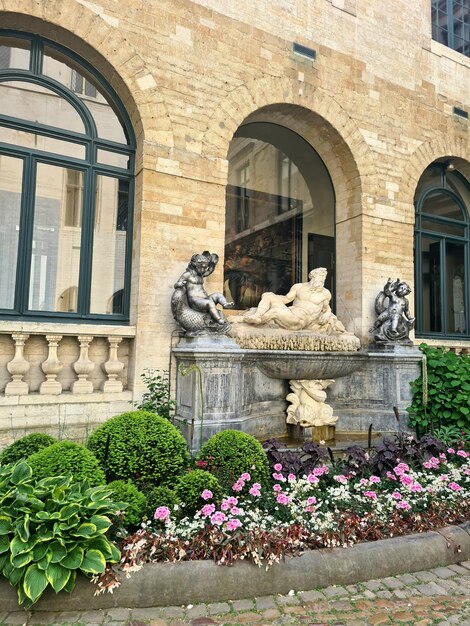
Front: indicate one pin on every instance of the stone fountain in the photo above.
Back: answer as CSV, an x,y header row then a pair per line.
x,y
238,378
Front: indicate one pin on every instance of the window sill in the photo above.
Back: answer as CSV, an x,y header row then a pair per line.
x,y
440,50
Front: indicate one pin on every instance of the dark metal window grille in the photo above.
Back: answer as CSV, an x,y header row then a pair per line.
x,y
5,54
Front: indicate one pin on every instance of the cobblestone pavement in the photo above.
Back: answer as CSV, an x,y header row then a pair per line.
x,y
439,597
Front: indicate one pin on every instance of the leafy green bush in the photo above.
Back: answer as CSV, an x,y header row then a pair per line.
x,y
135,500
448,390
50,529
190,486
67,457
230,453
139,446
160,496
24,447
157,396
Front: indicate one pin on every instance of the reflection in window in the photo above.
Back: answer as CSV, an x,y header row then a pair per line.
x,y
64,216
442,243
279,213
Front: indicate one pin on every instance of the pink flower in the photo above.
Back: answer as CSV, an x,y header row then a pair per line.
x,y
278,467
403,504
238,486
391,476
245,476
396,495
232,500
207,494
363,481
401,468
319,471
467,471
225,505
277,488
162,513
455,487
406,480
207,510
254,492
462,453
442,456
370,494
311,500
201,464
235,510
218,518
311,478
340,479
232,524
444,477
277,476
450,451
282,498
416,487
375,479
291,477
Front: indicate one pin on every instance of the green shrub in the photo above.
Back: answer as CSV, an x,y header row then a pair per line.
x,y
156,398
139,446
190,486
160,496
24,447
50,529
66,457
135,500
230,453
448,390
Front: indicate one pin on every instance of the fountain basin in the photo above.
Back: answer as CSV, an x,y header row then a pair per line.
x,y
301,365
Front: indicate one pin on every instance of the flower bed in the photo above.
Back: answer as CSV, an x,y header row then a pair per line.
x,y
304,511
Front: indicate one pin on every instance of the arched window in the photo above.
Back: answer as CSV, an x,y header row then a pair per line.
x,y
442,248
66,186
279,221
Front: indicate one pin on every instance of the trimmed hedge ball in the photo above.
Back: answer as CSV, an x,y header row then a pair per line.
x,y
231,453
67,457
139,446
25,447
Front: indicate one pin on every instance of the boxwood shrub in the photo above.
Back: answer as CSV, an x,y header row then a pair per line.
x,y
190,486
139,446
67,457
24,447
135,500
230,453
160,496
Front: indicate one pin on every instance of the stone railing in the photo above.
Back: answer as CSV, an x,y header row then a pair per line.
x,y
58,359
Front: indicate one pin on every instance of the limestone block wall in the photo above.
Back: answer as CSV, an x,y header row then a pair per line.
x,y
376,104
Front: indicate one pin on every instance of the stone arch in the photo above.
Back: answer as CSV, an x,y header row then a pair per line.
x,y
94,36
428,152
328,128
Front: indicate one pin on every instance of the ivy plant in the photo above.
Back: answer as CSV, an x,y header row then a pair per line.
x,y
51,529
441,397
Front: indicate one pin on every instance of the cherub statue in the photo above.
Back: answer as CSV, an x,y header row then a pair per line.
x,y
192,307
308,406
394,320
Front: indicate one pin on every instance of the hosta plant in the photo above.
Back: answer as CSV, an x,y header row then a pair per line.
x,y
51,529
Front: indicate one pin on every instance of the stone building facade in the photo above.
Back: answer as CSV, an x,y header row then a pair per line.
x,y
363,85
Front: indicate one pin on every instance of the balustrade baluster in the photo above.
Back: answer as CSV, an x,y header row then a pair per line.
x,y
113,367
18,367
51,368
83,367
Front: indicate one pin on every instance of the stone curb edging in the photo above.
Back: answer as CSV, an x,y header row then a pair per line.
x,y
193,582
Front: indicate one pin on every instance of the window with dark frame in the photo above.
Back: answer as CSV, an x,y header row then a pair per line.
x,y
442,253
451,24
65,211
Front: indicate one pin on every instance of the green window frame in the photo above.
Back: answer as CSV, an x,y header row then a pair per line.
x,y
442,254
99,161
451,24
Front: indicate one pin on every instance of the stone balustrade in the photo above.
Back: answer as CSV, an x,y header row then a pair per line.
x,y
63,359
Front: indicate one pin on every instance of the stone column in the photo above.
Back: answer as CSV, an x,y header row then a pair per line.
x,y
83,367
18,367
51,368
113,367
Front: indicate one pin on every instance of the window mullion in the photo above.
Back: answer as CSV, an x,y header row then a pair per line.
x,y
36,57
26,235
86,245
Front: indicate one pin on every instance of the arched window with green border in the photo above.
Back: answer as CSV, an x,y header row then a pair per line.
x,y
442,253
66,187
